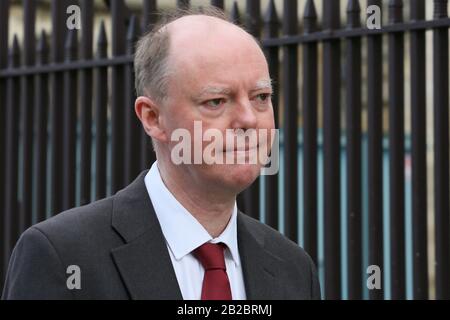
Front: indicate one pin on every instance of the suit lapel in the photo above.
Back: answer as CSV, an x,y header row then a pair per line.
x,y
143,261
259,266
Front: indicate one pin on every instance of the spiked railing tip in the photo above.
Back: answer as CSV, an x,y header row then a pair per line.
x,y
271,15
235,15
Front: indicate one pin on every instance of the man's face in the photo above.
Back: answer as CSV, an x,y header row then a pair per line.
x,y
221,80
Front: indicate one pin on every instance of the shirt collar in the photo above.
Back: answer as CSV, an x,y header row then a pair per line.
x,y
181,230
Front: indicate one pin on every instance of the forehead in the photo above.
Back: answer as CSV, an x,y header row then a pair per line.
x,y
207,51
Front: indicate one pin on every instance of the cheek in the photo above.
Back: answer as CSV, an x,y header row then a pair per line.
x,y
271,118
177,117
265,138
266,120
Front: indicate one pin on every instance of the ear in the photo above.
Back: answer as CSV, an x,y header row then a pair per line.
x,y
149,114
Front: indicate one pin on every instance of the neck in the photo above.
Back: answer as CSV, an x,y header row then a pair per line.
x,y
212,210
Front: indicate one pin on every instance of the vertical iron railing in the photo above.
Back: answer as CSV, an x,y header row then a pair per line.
x,y
41,122
27,114
132,124
70,122
118,96
353,123
419,152
396,153
218,4
4,13
310,114
85,82
441,151
375,152
56,101
290,118
10,216
331,145
101,104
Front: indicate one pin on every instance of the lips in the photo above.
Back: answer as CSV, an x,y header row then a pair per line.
x,y
244,149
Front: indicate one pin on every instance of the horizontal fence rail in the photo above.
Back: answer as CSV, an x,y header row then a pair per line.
x,y
69,135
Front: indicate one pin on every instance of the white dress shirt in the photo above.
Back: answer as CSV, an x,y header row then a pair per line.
x,y
183,234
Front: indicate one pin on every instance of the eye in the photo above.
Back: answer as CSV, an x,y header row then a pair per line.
x,y
263,97
215,103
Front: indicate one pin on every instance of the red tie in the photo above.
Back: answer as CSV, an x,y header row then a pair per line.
x,y
216,285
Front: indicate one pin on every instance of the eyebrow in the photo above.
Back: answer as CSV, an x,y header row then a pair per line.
x,y
214,90
263,84
260,85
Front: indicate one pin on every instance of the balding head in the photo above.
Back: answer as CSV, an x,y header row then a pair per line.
x,y
181,38
198,28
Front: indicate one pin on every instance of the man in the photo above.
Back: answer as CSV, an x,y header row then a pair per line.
x,y
175,232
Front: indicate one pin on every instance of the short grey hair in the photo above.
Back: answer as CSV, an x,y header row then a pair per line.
x,y
151,60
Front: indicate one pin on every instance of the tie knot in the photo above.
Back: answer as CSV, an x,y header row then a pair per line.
x,y
211,256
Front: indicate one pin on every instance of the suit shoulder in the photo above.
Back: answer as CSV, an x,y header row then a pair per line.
x,y
78,221
275,242
35,265
279,246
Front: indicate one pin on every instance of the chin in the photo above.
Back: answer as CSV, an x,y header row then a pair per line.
x,y
240,176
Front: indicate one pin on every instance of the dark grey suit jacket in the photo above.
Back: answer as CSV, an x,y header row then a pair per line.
x,y
118,244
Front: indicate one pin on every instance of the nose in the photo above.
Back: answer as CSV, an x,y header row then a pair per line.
x,y
244,116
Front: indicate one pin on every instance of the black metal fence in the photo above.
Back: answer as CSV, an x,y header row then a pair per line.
x,y
69,136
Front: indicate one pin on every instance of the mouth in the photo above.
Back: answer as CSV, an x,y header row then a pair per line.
x,y
247,148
